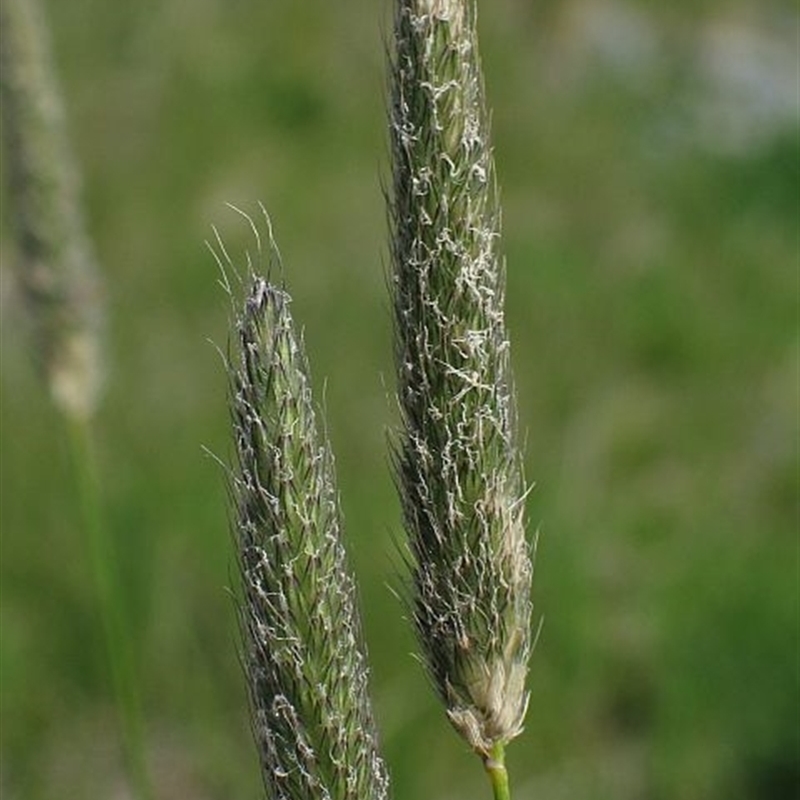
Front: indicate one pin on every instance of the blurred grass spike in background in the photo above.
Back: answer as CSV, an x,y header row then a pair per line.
x,y
304,652
458,466
57,268
61,284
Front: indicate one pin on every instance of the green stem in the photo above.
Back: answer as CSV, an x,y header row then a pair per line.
x,y
495,766
112,616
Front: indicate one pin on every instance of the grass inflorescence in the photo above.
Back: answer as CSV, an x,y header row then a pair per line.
x,y
60,281
55,258
458,466
304,653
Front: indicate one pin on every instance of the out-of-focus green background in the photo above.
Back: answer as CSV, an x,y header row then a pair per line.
x,y
648,156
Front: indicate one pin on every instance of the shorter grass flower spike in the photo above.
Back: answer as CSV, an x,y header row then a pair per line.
x,y
304,652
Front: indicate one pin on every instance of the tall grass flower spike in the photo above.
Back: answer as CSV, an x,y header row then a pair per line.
x,y
458,466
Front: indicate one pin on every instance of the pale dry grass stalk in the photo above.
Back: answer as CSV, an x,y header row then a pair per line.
x,y
56,261
458,465
304,653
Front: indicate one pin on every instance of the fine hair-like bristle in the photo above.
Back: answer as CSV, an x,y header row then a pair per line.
x,y
458,467
304,653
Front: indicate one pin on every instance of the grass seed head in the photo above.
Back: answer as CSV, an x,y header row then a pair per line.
x,y
57,268
458,466
305,656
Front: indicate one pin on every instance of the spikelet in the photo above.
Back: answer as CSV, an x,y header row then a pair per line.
x,y
304,650
57,271
458,467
